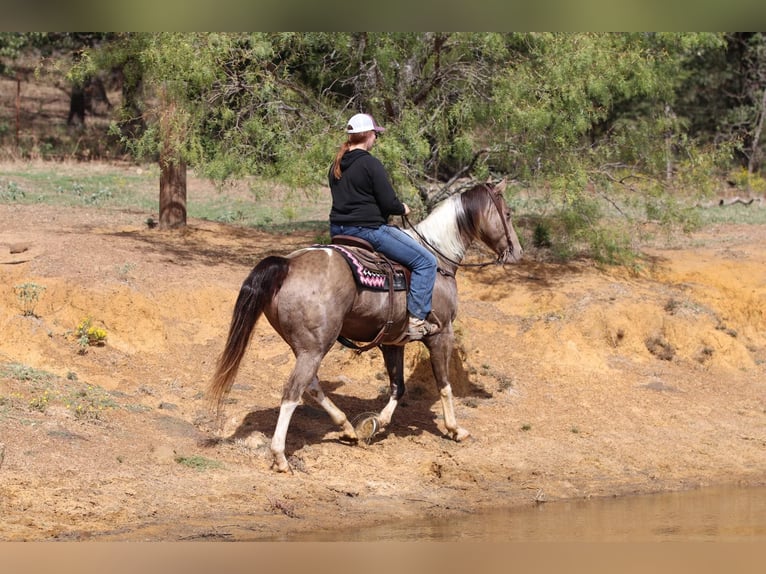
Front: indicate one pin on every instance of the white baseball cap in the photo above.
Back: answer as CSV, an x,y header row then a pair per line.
x,y
362,123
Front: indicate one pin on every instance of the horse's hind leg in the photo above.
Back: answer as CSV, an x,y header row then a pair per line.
x,y
303,377
286,410
304,372
337,415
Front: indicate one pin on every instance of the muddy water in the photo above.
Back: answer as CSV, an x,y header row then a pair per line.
x,y
715,514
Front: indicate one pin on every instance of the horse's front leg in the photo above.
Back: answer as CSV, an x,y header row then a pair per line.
x,y
370,425
440,347
393,356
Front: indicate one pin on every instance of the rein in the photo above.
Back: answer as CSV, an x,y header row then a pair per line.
x,y
498,261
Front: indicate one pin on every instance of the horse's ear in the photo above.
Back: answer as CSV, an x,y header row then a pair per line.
x,y
500,187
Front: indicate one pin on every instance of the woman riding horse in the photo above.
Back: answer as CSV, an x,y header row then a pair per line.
x,y
311,300
362,201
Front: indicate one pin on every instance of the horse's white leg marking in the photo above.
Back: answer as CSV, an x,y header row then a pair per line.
x,y
286,410
337,415
385,416
456,432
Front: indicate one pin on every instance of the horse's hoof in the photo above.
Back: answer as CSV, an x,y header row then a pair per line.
x,y
348,434
349,438
460,435
280,464
366,427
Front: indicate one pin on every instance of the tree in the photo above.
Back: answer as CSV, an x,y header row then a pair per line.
x,y
723,97
11,45
754,97
172,134
217,102
589,115
433,89
583,115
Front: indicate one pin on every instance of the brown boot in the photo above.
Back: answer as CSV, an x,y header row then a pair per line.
x,y
419,328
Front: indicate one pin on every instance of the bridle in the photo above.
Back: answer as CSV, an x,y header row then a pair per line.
x,y
500,258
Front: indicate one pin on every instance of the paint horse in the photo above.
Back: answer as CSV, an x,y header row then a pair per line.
x,y
311,299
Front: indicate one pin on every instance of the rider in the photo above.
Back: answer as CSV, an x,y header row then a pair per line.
x,y
362,201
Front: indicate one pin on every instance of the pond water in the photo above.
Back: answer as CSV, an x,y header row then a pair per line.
x,y
726,514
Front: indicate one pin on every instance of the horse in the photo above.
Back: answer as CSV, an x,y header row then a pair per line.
x,y
312,300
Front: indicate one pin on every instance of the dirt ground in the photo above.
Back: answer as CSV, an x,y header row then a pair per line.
x,y
574,381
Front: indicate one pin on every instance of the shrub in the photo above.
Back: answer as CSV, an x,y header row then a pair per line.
x,y
28,295
88,334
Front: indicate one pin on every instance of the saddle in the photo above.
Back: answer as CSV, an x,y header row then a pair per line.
x,y
371,270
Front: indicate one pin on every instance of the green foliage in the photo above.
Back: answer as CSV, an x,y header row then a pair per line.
x,y
13,44
40,403
28,295
89,403
88,335
45,183
541,235
668,211
42,389
25,373
747,182
10,191
610,246
613,126
229,109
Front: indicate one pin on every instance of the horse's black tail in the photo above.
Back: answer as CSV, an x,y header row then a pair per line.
x,y
260,287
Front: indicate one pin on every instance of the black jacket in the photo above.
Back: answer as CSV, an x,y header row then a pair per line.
x,y
363,196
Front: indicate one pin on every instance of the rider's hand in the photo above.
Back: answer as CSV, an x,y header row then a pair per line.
x,y
406,209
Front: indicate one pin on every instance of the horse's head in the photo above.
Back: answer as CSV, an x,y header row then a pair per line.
x,y
493,224
479,213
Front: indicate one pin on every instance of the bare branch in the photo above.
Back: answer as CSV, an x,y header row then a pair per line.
x,y
445,192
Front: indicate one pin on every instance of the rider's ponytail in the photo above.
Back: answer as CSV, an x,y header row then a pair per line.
x,y
339,156
353,139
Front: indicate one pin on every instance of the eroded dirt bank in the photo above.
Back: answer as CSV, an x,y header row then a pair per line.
x,y
574,381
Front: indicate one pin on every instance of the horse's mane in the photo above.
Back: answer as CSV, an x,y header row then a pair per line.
x,y
452,225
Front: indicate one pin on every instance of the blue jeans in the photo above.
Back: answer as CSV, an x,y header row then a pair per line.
x,y
397,245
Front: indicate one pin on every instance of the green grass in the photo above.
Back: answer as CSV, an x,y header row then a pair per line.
x,y
26,374
41,389
258,214
260,204
33,185
733,214
89,402
274,208
198,462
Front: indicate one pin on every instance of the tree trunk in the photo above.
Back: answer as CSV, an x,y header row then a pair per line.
x,y
754,161
172,193
172,167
